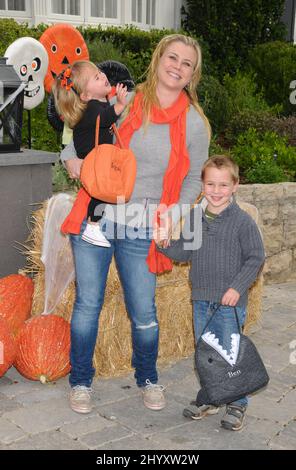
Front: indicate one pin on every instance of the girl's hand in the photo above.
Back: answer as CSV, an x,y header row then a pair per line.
x,y
231,297
121,93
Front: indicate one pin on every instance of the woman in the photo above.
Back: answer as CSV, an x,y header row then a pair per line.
x,y
169,134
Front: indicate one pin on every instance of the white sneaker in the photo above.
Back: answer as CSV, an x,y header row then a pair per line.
x,y
80,399
93,234
153,396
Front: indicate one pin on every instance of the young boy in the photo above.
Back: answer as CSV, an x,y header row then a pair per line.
x,y
222,269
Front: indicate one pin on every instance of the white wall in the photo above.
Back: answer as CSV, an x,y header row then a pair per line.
x,y
38,11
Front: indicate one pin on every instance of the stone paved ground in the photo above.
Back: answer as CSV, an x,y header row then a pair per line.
x,y
36,416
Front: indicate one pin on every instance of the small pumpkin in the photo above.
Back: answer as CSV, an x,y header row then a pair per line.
x,y
16,295
43,348
7,347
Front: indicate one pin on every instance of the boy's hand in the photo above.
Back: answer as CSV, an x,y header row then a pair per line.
x,y
159,235
162,230
231,297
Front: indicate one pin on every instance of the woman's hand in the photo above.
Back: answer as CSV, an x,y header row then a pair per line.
x,y
73,167
162,230
231,297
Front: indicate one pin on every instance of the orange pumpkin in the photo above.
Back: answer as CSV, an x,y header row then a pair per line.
x,y
7,347
43,348
16,294
64,45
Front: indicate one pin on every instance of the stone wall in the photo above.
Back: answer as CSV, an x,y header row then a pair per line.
x,y
276,204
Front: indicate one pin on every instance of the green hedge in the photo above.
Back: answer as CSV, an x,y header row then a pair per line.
x,y
264,158
275,66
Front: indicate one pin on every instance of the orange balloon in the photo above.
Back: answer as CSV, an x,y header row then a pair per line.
x,y
64,45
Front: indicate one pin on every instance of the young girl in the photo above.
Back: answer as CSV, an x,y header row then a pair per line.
x,y
80,94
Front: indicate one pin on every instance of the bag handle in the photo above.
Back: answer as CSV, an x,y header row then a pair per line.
x,y
115,130
214,313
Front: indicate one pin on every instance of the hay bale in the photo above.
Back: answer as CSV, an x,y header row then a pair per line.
x,y
113,349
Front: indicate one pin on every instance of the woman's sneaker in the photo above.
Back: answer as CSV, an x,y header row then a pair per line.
x,y
93,234
153,396
199,412
80,399
234,416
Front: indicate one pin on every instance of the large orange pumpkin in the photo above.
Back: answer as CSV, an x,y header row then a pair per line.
x,y
16,294
64,45
43,348
7,347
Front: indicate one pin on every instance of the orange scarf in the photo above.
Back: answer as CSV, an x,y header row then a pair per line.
x,y
176,171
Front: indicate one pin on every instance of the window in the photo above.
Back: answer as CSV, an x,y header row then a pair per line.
x,y
138,9
150,12
14,5
65,7
104,8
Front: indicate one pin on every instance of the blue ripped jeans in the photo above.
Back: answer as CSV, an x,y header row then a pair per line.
x,y
92,265
223,325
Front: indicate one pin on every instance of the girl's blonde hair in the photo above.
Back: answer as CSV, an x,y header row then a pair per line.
x,y
221,162
68,101
148,88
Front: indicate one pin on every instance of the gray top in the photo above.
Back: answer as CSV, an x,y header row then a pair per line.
x,y
152,150
230,256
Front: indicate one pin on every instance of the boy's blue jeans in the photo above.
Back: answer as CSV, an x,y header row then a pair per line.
x,y
222,325
92,266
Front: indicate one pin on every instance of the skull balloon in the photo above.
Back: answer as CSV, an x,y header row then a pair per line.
x,y
30,61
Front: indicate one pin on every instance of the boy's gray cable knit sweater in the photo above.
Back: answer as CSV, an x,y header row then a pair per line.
x,y
231,255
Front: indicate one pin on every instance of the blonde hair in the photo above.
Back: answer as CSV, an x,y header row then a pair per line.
x,y
68,102
148,88
221,162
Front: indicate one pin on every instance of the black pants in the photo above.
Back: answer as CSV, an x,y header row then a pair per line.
x,y
95,209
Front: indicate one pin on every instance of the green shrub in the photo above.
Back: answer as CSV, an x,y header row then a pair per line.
x,y
100,51
265,172
245,119
214,99
44,136
243,94
10,30
275,66
253,148
285,127
216,148
233,27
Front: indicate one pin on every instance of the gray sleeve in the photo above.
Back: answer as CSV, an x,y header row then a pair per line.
x,y
176,251
198,148
68,152
253,255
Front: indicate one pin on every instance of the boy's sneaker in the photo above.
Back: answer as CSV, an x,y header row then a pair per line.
x,y
93,234
199,412
153,396
80,399
233,418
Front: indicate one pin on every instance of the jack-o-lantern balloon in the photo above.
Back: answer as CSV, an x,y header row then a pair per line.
x,y
64,45
30,61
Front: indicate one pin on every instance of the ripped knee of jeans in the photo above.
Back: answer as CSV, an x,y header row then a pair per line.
x,y
153,324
